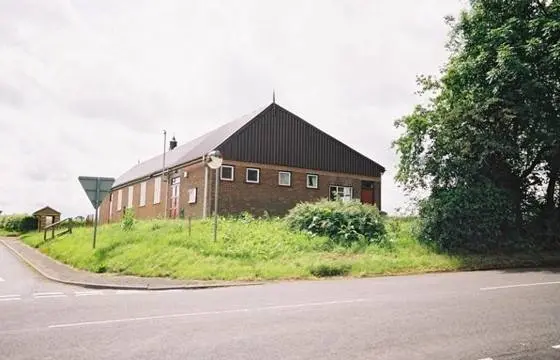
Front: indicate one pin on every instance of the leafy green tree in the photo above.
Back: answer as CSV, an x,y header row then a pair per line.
x,y
492,118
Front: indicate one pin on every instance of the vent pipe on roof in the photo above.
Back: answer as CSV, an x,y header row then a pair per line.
x,y
172,143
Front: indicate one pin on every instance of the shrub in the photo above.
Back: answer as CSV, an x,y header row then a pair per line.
x,y
343,222
28,223
128,220
330,269
18,223
467,218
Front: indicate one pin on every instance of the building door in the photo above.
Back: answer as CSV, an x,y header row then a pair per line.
x,y
367,196
175,192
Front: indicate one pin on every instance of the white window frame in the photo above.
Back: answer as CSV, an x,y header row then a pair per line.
x,y
142,194
344,190
157,190
232,173
119,200
307,181
130,196
280,173
258,175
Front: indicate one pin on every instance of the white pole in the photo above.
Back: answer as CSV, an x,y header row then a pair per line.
x,y
163,173
216,205
205,200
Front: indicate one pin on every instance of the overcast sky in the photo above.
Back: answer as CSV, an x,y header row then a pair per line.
x,y
86,87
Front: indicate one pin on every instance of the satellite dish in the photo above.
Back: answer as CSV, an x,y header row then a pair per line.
x,y
214,159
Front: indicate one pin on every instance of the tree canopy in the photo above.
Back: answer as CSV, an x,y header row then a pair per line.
x,y
488,139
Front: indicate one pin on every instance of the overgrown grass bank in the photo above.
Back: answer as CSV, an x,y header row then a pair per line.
x,y
248,249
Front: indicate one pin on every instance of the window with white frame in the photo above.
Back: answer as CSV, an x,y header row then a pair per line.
x,y
119,200
284,178
157,190
226,172
143,193
252,175
312,181
130,195
343,193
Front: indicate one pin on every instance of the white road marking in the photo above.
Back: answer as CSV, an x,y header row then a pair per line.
x,y
48,293
88,293
1,279
6,296
519,285
486,359
557,347
50,296
10,299
217,312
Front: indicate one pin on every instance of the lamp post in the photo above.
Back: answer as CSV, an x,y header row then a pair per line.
x,y
214,161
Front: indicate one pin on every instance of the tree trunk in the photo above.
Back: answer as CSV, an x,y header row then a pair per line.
x,y
551,191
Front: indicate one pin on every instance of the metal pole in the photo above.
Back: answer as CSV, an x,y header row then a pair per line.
x,y
96,210
216,205
189,226
163,173
205,198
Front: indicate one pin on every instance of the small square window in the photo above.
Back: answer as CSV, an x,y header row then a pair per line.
x,y
252,175
284,178
226,173
312,181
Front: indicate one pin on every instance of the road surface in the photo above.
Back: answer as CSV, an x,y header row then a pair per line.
x,y
475,315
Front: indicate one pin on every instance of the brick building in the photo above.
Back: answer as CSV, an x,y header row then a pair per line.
x,y
272,160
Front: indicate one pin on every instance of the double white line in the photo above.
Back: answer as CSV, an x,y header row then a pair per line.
x,y
45,295
9,297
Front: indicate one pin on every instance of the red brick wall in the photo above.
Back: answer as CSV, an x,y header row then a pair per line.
x,y
237,196
194,179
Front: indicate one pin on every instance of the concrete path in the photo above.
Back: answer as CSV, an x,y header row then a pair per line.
x,y
473,315
56,271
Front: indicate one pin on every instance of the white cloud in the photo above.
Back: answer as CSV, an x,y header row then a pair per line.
x,y
86,87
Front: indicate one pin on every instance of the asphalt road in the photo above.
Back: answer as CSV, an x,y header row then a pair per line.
x,y
476,315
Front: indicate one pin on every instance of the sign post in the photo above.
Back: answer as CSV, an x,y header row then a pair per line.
x,y
214,161
96,188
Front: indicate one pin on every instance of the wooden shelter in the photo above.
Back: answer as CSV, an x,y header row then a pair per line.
x,y
46,216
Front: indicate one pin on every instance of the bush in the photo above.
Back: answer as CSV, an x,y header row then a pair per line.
x,y
467,219
19,223
128,220
330,269
343,222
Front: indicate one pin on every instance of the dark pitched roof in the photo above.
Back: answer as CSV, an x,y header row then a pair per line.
x,y
242,131
192,150
46,211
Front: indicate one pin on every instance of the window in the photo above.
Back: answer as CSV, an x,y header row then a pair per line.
x,y
130,195
344,193
119,200
192,196
284,178
143,194
157,190
312,181
226,173
252,175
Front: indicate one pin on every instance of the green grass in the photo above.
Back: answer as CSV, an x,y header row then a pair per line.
x,y
250,250
7,233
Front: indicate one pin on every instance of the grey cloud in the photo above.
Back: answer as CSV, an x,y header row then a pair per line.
x,y
10,96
